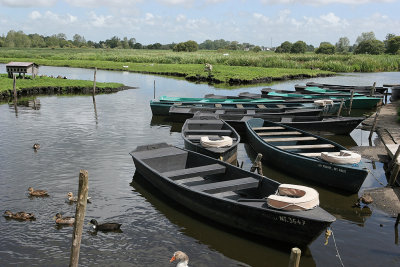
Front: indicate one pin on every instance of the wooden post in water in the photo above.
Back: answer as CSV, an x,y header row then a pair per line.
x,y
372,92
351,102
340,108
79,217
374,124
154,90
94,81
295,255
394,159
15,86
257,164
386,94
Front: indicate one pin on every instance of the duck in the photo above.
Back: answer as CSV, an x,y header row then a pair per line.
x,y
72,198
181,257
21,215
37,193
105,226
60,220
36,146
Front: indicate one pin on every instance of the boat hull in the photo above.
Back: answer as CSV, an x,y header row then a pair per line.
x,y
253,218
343,177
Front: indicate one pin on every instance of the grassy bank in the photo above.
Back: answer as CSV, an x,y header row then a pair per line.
x,y
264,59
235,68
48,83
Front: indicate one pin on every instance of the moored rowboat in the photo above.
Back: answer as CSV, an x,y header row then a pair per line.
x,y
299,153
230,195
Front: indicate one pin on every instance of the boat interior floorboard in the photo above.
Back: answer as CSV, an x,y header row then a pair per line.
x,y
195,171
230,185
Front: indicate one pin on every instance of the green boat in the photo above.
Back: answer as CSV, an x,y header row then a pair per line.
x,y
214,100
359,101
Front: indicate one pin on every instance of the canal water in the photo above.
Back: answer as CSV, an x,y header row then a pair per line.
x,y
75,134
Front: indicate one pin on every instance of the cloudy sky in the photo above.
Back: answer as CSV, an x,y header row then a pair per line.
x,y
259,22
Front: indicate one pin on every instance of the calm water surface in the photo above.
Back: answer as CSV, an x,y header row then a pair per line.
x,y
75,135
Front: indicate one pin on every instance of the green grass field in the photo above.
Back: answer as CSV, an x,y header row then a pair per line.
x,y
228,66
7,83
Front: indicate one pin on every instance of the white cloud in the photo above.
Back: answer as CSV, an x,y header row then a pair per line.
x,y
27,3
55,18
331,18
325,2
98,3
180,18
99,20
185,3
35,15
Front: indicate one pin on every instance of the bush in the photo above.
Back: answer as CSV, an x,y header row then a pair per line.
x,y
256,49
393,45
189,46
298,47
325,48
372,47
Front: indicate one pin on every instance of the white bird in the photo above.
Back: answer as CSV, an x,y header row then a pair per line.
x,y
182,258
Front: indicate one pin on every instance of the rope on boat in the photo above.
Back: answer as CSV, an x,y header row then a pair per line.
x,y
375,176
337,250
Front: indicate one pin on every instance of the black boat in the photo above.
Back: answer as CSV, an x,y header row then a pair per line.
x,y
315,124
181,113
306,155
229,195
212,137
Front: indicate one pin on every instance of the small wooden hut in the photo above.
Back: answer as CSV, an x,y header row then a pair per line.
x,y
22,68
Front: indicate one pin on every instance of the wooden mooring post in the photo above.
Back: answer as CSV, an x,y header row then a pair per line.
x,y
257,164
79,217
154,90
294,260
340,108
351,102
374,124
15,86
372,92
94,81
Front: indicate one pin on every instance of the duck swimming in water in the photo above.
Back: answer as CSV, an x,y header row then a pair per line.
x,y
22,216
37,193
36,146
182,258
71,198
60,220
105,226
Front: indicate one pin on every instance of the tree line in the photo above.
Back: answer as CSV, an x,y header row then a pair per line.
x,y
366,43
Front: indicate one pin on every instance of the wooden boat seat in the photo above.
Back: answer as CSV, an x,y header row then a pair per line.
x,y
281,106
220,111
215,132
214,122
306,146
268,128
250,112
218,105
280,133
261,106
189,180
161,152
283,120
195,171
294,198
246,118
289,139
231,185
317,154
239,105
197,137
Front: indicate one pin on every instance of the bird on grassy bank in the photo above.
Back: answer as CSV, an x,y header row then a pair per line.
x,y
72,198
60,220
37,193
182,258
22,216
105,226
36,146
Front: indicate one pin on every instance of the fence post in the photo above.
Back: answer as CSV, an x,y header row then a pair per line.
x,y
372,92
154,90
295,255
15,86
79,217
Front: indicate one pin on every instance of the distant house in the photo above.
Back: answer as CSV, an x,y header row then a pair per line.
x,y
22,67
